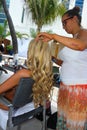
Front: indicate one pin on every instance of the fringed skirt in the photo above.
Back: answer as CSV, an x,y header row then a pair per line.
x,y
72,107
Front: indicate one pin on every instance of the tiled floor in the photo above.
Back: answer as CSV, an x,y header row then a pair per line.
x,y
33,124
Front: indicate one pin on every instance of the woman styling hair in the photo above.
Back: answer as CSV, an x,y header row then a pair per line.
x,y
72,99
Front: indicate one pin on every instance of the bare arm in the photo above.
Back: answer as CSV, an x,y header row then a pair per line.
x,y
4,107
77,44
14,80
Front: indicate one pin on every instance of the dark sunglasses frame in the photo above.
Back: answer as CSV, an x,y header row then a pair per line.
x,y
65,21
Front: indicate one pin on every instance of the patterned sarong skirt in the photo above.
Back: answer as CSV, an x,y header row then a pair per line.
x,y
72,107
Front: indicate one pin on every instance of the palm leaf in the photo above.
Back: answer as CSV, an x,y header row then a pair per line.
x,y
44,11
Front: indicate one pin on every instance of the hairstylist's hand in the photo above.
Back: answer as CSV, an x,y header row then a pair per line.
x,y
46,37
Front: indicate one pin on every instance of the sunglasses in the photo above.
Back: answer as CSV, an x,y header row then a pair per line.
x,y
65,21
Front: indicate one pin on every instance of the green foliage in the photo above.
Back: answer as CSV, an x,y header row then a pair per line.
x,y
49,31
9,47
45,11
22,35
33,32
11,26
3,32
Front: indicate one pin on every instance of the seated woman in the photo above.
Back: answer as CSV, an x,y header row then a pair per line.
x,y
39,67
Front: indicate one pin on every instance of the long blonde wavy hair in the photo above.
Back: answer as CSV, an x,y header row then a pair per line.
x,y
39,62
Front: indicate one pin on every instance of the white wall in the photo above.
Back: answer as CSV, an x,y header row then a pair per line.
x,y
84,12
15,10
72,4
84,15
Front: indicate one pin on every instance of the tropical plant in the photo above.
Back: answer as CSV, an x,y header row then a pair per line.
x,y
3,32
33,32
9,47
44,11
22,35
11,26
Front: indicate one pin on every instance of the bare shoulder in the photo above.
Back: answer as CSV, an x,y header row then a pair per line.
x,y
83,34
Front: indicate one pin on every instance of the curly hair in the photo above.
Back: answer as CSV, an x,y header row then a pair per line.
x,y
39,62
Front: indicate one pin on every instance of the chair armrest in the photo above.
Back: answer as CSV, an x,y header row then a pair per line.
x,y
4,100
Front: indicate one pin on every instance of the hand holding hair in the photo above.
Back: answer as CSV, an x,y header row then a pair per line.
x,y
45,37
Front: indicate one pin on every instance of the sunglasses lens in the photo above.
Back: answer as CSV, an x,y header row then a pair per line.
x,y
65,21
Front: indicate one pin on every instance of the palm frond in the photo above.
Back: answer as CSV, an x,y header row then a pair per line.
x,y
45,11
22,35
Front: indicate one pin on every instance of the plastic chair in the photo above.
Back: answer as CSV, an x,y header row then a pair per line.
x,y
22,97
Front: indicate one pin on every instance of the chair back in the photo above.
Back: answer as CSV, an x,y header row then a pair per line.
x,y
23,93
